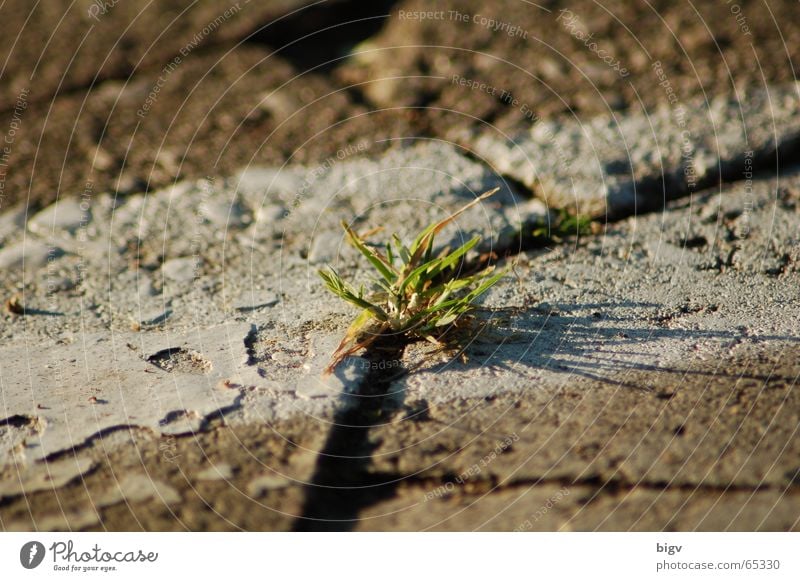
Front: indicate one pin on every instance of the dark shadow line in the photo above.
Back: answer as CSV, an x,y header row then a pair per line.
x,y
343,484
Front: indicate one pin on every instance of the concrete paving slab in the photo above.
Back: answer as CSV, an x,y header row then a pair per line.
x,y
635,162
657,356
149,330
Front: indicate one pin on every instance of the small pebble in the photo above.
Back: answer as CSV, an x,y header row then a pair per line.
x,y
31,253
223,214
270,213
219,471
258,486
325,247
63,215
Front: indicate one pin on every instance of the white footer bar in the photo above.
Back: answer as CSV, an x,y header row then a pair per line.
x,y
400,556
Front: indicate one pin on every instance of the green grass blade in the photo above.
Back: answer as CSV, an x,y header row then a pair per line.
x,y
454,257
486,285
375,258
414,277
418,297
354,340
389,255
402,250
344,291
432,268
425,239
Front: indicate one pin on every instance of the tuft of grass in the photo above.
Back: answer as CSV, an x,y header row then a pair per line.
x,y
420,294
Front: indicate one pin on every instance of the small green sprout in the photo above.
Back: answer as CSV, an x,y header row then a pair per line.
x,y
419,294
561,226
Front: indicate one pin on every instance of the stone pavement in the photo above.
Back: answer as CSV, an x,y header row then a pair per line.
x,y
176,320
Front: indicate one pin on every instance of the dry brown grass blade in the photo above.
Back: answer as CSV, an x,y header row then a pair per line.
x,y
349,344
378,260
433,231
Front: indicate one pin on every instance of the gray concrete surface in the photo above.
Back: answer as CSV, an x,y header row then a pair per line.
x,y
161,311
614,164
162,356
662,397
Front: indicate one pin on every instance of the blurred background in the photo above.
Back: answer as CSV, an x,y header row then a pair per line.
x,y
130,95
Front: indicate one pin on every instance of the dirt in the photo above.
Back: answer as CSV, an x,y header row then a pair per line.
x,y
54,48
251,452
702,48
79,130
215,113
155,111
601,483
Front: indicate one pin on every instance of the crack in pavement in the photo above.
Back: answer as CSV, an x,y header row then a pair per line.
x,y
610,486
635,162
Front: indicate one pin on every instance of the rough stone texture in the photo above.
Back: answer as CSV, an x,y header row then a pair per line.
x,y
163,335
97,383
237,97
543,70
58,474
650,371
221,471
154,469
666,393
262,484
30,254
618,165
140,321
138,488
65,215
548,507
11,222
214,112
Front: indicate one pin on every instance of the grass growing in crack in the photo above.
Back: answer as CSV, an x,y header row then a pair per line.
x,y
420,294
561,226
